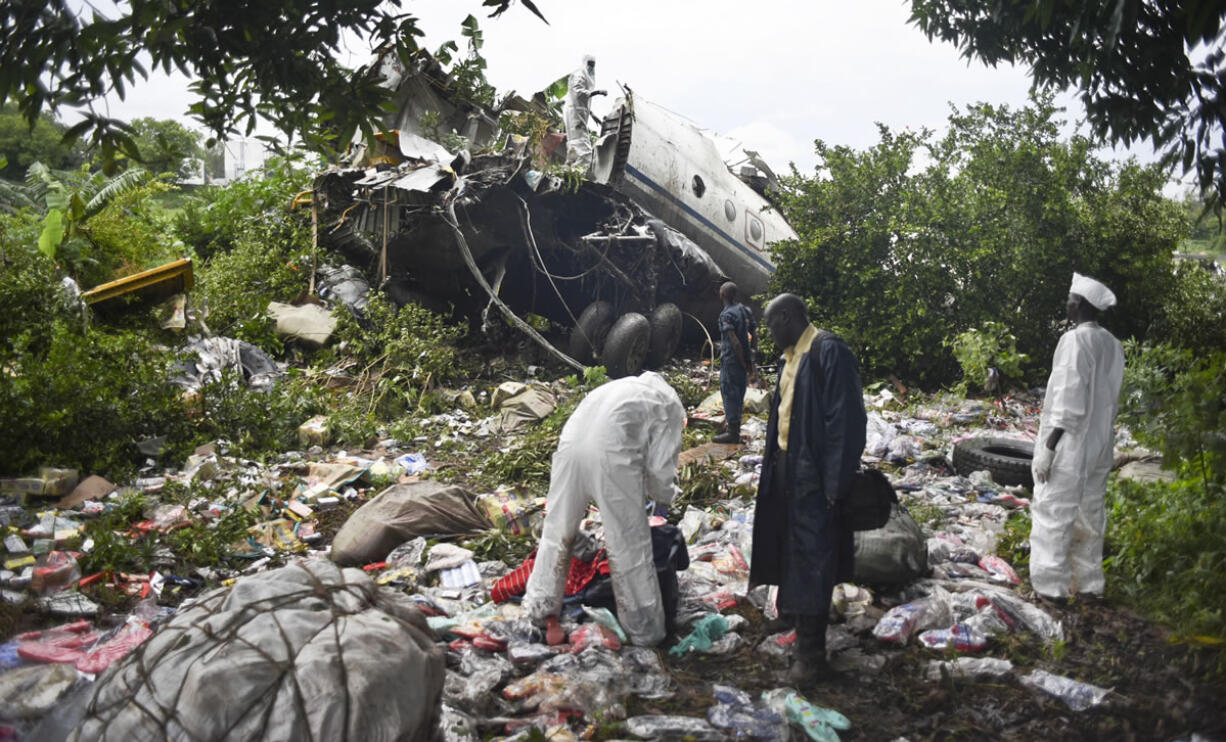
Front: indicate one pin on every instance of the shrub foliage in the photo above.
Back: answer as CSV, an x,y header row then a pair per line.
x,y
916,239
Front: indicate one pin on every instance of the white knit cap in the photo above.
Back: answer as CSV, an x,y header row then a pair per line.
x,y
1093,291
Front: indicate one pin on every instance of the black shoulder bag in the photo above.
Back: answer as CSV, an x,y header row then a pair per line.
x,y
871,498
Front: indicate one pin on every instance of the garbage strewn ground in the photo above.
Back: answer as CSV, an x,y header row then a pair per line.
x,y
307,591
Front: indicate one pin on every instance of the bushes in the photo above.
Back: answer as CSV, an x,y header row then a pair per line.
x,y
916,239
72,395
405,352
1194,312
221,218
1164,540
1174,400
257,249
271,262
980,349
127,236
1166,553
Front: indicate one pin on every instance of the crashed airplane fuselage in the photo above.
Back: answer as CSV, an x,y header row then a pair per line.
x,y
616,258
675,171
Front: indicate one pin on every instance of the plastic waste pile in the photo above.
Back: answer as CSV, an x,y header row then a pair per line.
x,y
504,674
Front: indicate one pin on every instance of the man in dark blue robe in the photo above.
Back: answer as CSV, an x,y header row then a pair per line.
x,y
814,440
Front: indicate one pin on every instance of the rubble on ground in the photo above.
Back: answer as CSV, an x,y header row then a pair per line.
x,y
90,644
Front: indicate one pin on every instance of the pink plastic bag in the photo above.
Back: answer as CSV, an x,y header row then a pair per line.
x,y
999,569
131,636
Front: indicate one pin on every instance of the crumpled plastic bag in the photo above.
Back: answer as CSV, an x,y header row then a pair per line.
x,y
1076,695
818,722
705,632
901,621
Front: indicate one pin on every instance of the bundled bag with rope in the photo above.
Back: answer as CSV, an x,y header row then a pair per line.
x,y
308,651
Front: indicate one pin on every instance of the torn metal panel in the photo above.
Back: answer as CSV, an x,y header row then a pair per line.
x,y
416,147
156,283
570,248
424,179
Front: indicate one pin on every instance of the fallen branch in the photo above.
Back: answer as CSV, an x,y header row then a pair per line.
x,y
513,318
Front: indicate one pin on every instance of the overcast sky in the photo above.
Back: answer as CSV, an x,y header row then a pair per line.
x,y
774,74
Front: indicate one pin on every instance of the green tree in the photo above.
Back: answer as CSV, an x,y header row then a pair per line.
x,y
21,145
80,227
167,146
917,239
1207,235
276,60
1145,69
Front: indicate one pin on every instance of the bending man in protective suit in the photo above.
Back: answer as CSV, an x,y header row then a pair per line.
x,y
579,92
619,448
814,440
1074,452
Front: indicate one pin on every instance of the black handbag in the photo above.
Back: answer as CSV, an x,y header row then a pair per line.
x,y
870,501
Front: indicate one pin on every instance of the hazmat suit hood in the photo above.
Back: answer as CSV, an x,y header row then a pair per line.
x,y
675,410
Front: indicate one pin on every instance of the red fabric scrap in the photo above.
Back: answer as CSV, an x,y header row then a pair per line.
x,y
515,582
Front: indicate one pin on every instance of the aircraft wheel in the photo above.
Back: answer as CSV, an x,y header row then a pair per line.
x,y
665,334
588,337
626,347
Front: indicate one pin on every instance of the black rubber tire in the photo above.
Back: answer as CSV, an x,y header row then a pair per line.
x,y
588,337
665,324
625,348
1006,459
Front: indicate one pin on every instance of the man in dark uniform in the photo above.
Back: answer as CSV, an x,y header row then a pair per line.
x,y
814,440
736,369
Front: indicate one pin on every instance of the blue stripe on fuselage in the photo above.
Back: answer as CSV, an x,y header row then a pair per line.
x,y
752,253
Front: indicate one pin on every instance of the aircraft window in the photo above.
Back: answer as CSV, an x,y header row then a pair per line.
x,y
755,229
730,211
699,187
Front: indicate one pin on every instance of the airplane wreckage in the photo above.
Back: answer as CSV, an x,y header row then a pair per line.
x,y
618,257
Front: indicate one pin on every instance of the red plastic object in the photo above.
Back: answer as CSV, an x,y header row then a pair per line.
x,y
489,644
76,627
67,647
592,635
787,639
117,647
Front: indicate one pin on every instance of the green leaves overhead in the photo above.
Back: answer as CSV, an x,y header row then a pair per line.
x,y
1145,69
52,234
279,60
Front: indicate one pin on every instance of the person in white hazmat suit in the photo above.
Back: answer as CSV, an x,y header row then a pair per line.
x,y
1075,450
579,92
619,448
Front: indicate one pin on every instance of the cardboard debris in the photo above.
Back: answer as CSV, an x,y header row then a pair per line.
x,y
50,482
309,323
314,432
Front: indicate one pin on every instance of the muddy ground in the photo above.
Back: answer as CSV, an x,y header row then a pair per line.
x,y
1161,691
